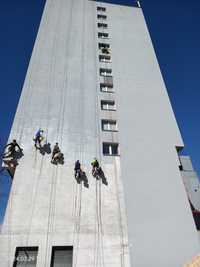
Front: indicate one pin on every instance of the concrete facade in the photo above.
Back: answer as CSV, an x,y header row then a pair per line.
x,y
191,181
61,94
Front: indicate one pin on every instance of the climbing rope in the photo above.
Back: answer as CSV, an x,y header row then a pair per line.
x,y
53,185
82,133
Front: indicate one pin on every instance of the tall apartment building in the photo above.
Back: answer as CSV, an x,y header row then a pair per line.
x,y
94,86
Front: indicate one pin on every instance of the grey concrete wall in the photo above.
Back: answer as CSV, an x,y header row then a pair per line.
x,y
159,216
61,94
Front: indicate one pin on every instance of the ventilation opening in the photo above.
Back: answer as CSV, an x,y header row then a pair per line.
x,y
62,256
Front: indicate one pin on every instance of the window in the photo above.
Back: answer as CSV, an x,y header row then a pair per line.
x,y
99,16
62,257
109,125
105,58
108,105
100,8
108,88
103,35
110,149
104,45
25,256
105,48
105,72
102,25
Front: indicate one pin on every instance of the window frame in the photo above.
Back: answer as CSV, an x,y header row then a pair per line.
x,y
60,248
105,58
103,45
110,149
100,8
101,16
102,25
24,249
101,35
109,107
105,72
109,123
107,87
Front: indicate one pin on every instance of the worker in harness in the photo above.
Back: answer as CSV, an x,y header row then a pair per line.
x,y
38,138
57,156
95,167
105,50
11,149
77,169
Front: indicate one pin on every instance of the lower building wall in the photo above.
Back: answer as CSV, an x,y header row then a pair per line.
x,y
53,209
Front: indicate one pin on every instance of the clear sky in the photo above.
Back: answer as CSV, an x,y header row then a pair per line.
x,y
174,28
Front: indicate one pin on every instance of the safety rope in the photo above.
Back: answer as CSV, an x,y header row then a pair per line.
x,y
82,131
53,185
51,214
122,239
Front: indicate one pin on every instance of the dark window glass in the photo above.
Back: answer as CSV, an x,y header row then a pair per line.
x,y
110,149
103,35
107,105
103,45
105,72
106,87
100,8
102,25
104,58
62,257
99,16
105,149
109,125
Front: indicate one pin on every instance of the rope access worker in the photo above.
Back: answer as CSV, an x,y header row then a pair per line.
x,y
38,138
56,154
95,166
77,169
105,50
12,149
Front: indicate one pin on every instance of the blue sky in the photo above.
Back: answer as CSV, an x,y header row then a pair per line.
x,y
174,28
